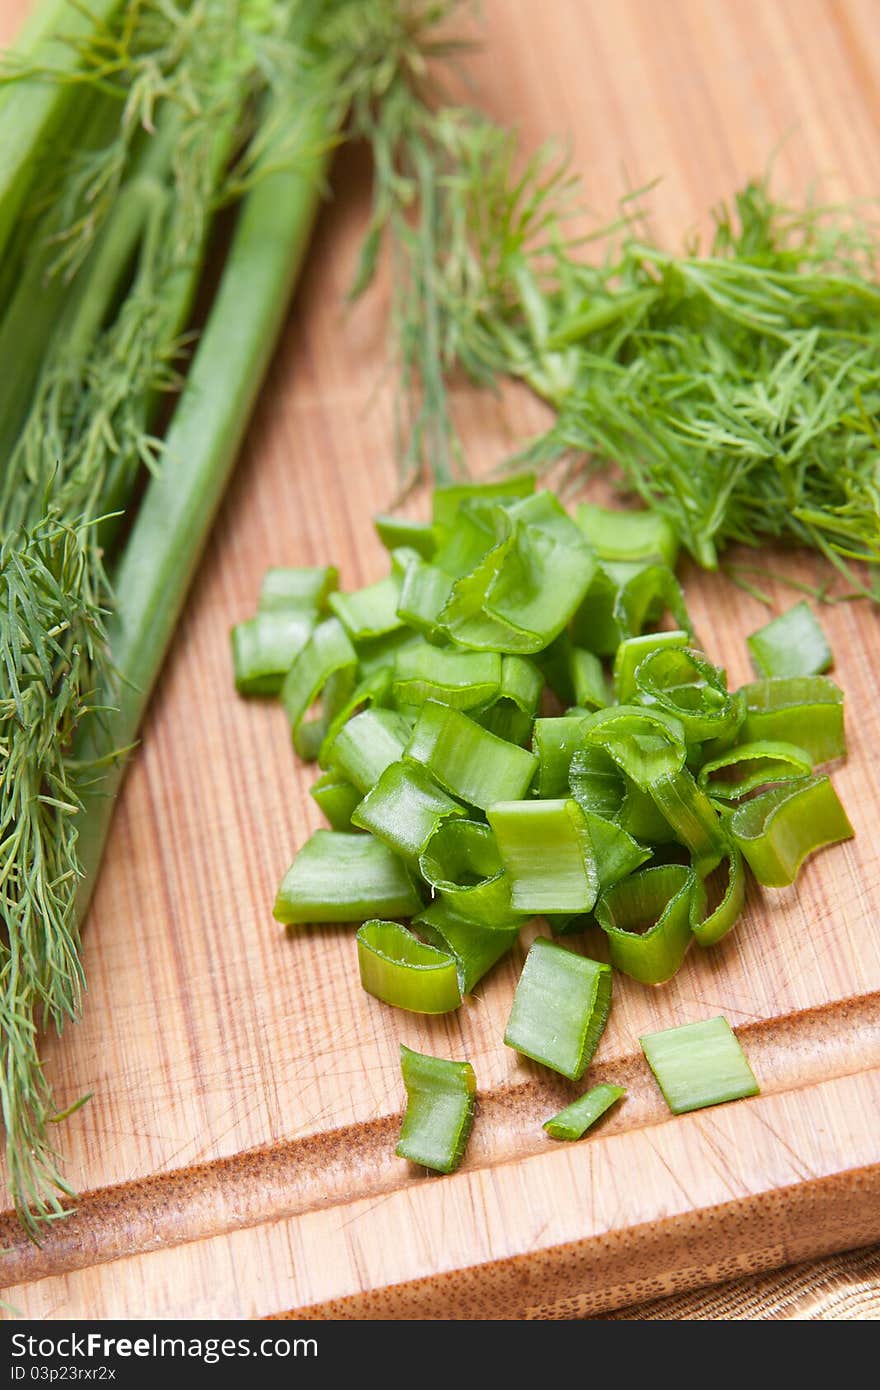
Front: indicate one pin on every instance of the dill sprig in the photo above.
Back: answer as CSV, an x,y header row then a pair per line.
x,y
736,391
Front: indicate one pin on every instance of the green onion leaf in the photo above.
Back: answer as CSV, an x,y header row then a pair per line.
x,y
791,645
574,1121
401,970
440,1097
337,877
560,1008
780,828
699,1064
545,847
646,918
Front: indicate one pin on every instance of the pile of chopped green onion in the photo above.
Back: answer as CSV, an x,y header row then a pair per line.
x,y
506,728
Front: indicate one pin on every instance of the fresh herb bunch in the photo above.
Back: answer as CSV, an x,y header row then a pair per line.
x,y
736,392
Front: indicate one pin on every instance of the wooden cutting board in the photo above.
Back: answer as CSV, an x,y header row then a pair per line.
x,y
237,1157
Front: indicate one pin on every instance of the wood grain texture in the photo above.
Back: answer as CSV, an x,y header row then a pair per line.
x,y
237,1157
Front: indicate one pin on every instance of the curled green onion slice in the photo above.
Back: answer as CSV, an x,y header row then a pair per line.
x,y
804,710
628,535
337,877
699,1064
303,590
512,711
369,612
546,849
691,815
404,809
461,862
740,771
597,783
424,591
780,828
459,679
791,645
616,853
466,760
447,501
440,1097
264,648
588,682
337,798
560,1008
680,681
646,918
645,597
474,947
367,744
632,651
401,970
373,689
645,743
574,1121
325,669
710,924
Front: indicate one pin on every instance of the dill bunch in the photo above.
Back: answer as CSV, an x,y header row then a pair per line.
x,y
736,391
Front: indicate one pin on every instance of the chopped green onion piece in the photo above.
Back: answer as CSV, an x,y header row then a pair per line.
x,y
632,651
461,862
781,827
554,742
404,809
546,849
324,668
447,501
474,946
804,710
707,926
523,592
466,760
345,878
752,765
373,689
791,645
587,679
615,852
594,626
574,1121
303,590
645,743
511,713
460,679
424,592
337,798
681,682
699,1064
646,918
628,535
560,1008
263,649
401,970
395,531
597,783
439,1110
369,612
640,816
645,597
691,814
367,744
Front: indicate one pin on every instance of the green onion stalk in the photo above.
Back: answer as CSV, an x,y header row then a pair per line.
x,y
124,129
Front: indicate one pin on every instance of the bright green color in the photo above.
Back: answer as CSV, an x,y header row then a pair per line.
x,y
780,828
367,744
690,813
546,849
474,946
682,683
404,809
324,669
401,970
467,760
791,645
462,680
710,924
560,1008
574,1121
337,877
752,765
461,862
336,797
646,918
263,650
699,1064
439,1110
632,651
628,535
298,590
804,710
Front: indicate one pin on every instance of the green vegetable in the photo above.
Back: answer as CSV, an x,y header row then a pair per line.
x,y
560,1008
474,946
439,1110
462,680
337,798
367,744
804,710
574,1121
337,877
263,650
780,828
646,918
546,850
462,863
699,1064
467,760
710,923
399,969
404,809
791,645
304,590
751,765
